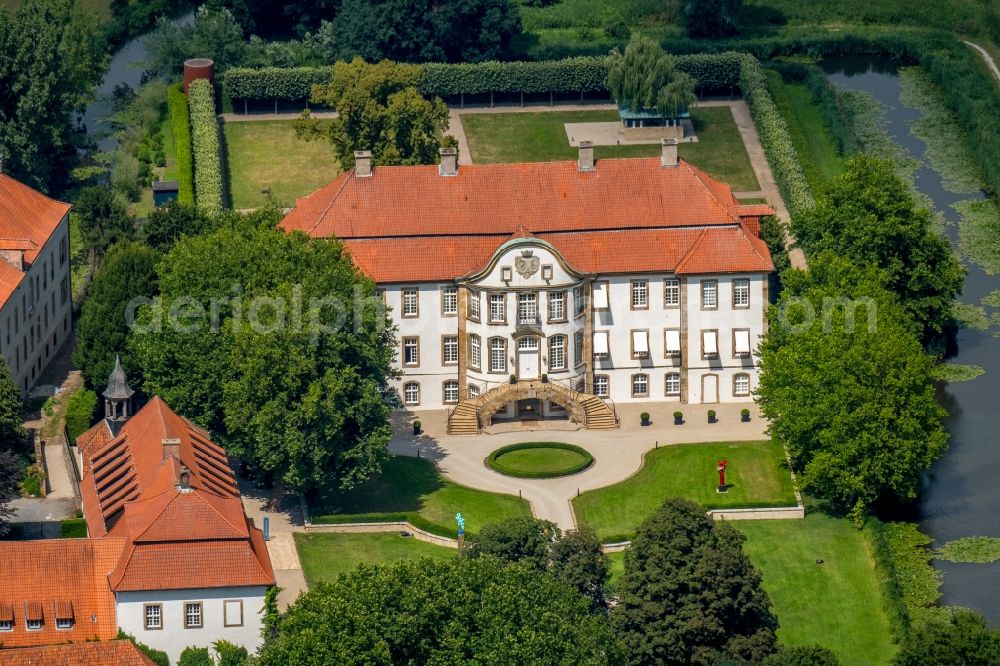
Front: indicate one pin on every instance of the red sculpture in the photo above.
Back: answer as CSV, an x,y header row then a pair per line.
x,y
721,468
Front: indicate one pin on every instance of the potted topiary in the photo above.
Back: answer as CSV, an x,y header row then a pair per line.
x,y
678,418
711,416
416,427
513,378
745,415
545,378
644,417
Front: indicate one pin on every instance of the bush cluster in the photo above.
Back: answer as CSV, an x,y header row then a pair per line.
x,y
205,148
80,408
180,119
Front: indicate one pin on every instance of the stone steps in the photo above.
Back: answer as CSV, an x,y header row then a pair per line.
x,y
464,419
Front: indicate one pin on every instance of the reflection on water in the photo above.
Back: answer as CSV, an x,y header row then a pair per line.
x,y
961,494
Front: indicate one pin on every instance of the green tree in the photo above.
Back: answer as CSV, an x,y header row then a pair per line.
x,y
424,30
230,654
128,272
462,611
964,640
212,34
710,18
11,433
847,387
104,221
645,77
11,471
869,214
278,345
802,655
51,58
689,595
379,109
195,656
165,226
577,559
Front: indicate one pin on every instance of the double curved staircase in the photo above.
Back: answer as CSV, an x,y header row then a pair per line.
x,y
471,414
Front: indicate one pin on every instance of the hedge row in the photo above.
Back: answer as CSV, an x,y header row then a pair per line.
x,y
571,75
496,464
774,137
205,146
80,409
180,120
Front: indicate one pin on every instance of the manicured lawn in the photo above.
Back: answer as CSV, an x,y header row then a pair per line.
x,y
835,604
816,148
411,489
540,460
616,566
326,556
757,476
541,137
267,156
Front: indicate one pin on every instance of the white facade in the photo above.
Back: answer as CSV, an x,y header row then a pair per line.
x,y
233,614
529,313
36,319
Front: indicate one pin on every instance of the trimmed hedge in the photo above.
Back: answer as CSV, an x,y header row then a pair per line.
x,y
774,137
585,74
494,463
73,528
205,148
180,120
414,519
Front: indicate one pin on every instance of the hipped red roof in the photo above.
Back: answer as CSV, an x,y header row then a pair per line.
x,y
410,224
28,219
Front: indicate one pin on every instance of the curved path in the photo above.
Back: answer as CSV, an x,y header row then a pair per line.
x,y
987,58
617,453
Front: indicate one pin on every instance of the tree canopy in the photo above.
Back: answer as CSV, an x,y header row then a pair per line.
x,y
460,611
425,30
104,220
847,386
710,18
869,214
573,557
167,225
212,34
127,272
689,595
964,640
278,345
646,77
12,440
802,655
51,58
379,109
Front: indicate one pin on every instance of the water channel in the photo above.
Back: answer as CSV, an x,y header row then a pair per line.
x,y
961,495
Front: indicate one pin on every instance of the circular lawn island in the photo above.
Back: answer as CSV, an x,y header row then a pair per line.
x,y
539,460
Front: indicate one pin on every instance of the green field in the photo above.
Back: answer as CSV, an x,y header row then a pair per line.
x,y
836,604
265,157
326,556
810,136
758,476
541,137
412,489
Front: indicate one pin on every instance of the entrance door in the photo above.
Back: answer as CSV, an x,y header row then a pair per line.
x,y
527,358
710,388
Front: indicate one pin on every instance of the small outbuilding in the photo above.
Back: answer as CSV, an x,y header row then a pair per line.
x,y
164,191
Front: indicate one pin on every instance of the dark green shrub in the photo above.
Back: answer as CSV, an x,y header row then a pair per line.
x,y
194,656
230,654
80,409
34,478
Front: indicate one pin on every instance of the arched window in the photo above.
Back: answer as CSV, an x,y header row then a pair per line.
x,y
557,352
451,391
411,393
741,384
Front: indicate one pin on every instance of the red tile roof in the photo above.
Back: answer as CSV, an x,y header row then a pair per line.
x,y
28,219
178,537
409,224
102,653
53,576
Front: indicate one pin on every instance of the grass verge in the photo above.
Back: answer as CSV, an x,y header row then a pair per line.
x,y
541,137
836,603
326,556
539,460
758,476
266,158
412,489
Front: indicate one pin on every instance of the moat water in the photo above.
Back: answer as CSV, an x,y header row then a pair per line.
x,y
961,493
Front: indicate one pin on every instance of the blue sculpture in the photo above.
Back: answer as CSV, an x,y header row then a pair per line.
x,y
461,523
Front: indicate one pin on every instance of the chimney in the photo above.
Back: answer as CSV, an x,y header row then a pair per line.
x,y
172,447
363,163
586,161
668,152
449,162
